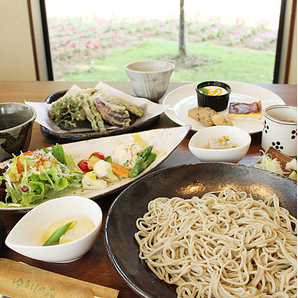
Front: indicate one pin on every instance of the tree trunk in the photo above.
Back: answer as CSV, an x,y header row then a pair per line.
x,y
182,43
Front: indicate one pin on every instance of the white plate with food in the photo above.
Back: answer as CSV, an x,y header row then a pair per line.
x,y
164,142
184,98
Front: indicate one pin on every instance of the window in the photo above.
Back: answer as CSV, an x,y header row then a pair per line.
x,y
227,40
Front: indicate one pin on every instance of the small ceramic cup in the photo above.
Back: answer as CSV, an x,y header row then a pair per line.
x,y
16,122
150,79
280,129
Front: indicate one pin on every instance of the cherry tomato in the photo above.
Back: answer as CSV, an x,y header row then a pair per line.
x,y
83,165
98,155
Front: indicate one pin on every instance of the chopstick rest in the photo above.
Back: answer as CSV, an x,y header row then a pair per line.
x,y
21,280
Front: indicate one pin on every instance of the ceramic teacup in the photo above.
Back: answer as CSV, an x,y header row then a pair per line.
x,y
16,122
150,79
280,129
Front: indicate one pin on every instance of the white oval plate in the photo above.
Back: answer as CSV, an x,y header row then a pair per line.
x,y
166,139
184,98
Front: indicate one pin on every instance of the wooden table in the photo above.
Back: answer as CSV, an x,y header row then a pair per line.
x,y
96,266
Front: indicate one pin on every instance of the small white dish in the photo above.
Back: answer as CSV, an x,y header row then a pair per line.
x,y
25,237
237,136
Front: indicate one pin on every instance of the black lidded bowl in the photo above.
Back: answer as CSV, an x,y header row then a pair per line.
x,y
216,102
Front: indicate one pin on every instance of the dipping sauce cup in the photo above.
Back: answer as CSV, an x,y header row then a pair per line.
x,y
215,102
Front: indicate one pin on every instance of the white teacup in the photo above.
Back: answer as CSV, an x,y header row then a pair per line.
x,y
280,129
150,79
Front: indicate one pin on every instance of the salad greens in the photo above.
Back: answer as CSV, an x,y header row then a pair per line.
x,y
34,176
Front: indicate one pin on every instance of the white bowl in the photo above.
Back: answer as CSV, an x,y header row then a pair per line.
x,y
237,136
25,237
149,79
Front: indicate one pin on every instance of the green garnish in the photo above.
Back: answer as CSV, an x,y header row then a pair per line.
x,y
204,90
54,238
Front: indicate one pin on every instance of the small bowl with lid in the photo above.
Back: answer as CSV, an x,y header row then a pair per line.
x,y
213,94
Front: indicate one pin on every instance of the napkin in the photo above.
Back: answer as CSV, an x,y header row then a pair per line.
x,y
150,108
21,280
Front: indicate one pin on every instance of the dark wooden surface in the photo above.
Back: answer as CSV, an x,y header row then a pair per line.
x,y
96,266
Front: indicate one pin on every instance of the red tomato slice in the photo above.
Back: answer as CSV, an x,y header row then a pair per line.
x,y
83,165
98,155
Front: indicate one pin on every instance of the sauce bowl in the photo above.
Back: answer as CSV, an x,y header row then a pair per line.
x,y
198,142
25,237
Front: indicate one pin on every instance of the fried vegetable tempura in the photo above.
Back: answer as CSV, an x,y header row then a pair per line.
x,y
96,106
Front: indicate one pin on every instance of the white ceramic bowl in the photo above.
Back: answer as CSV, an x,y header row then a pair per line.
x,y
237,136
149,79
26,235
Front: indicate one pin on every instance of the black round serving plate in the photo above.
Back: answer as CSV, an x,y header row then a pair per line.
x,y
2,238
80,136
184,181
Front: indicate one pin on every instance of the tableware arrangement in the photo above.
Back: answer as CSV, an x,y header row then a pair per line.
x,y
219,99
280,129
150,79
183,181
16,121
166,139
182,99
198,144
25,237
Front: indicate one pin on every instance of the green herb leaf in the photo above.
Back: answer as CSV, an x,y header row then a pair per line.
x,y
203,90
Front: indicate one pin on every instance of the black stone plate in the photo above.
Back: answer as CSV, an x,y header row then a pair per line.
x,y
73,137
183,181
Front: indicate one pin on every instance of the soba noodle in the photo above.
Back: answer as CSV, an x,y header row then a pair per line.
x,y
225,244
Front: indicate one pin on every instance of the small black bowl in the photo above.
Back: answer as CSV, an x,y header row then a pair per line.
x,y
216,102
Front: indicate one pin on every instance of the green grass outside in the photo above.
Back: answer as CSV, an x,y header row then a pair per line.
x,y
215,63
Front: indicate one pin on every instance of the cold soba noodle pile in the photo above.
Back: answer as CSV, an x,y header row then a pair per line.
x,y
225,244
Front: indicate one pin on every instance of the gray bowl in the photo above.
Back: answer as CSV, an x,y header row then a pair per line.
x,y
183,181
16,121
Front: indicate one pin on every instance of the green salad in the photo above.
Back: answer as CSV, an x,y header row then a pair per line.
x,y
34,176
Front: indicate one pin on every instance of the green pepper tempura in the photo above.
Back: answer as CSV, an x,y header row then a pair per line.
x,y
34,176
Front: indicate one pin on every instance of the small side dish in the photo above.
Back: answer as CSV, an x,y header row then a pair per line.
x,y
220,144
213,94
49,221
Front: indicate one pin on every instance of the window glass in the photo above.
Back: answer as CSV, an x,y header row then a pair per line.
x,y
234,40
